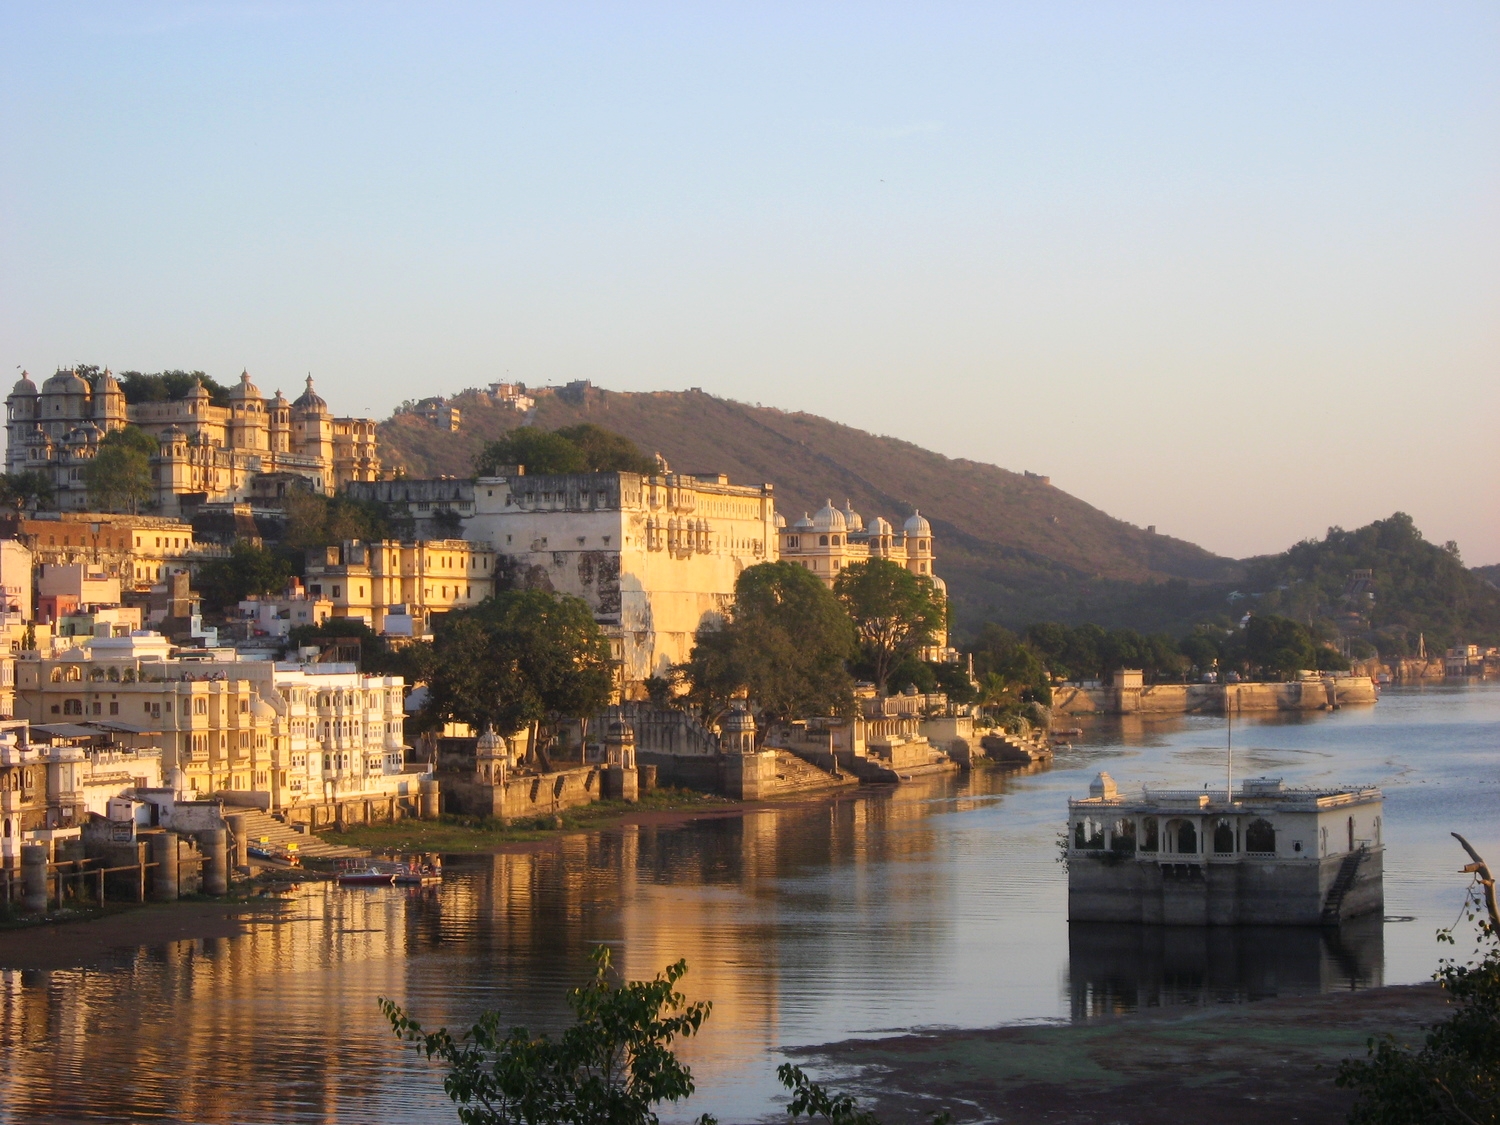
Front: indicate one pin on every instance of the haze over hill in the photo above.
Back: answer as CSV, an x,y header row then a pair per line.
x,y
1012,547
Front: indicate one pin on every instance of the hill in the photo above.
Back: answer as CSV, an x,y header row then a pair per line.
x,y
1013,548
1380,585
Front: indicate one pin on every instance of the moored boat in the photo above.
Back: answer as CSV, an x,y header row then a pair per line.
x,y
370,877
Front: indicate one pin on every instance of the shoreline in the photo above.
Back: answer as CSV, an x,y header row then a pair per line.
x,y
1236,1064
455,836
88,941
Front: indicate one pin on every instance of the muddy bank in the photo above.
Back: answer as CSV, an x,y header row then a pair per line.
x,y
89,942
1272,1060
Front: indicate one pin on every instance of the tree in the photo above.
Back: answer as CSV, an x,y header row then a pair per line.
x,y
249,569
519,658
540,451
27,489
784,646
119,476
611,1067
585,448
1455,1075
896,613
605,451
314,520
168,386
1277,645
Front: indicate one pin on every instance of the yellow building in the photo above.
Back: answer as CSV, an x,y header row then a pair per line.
x,y
832,538
386,580
656,557
212,451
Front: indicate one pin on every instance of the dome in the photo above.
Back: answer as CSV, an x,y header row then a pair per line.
x,y
24,385
65,383
738,721
244,389
309,399
489,742
170,434
106,382
804,524
851,517
262,710
780,520
829,518
199,390
917,525
878,526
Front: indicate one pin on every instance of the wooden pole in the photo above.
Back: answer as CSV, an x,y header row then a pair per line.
x,y
1486,880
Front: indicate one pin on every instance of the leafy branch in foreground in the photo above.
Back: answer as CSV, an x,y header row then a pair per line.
x,y
611,1067
1455,1076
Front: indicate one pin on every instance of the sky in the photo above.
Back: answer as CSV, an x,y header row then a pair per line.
x,y
1228,269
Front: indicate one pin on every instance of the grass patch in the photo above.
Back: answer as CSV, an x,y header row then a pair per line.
x,y
451,833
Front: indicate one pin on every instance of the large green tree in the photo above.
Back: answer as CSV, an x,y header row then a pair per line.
x,y
249,569
784,646
519,659
585,448
119,476
26,489
895,613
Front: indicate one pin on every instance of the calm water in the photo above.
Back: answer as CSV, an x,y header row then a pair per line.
x,y
941,903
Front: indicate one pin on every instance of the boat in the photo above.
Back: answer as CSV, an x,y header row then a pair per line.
x,y
370,877
425,875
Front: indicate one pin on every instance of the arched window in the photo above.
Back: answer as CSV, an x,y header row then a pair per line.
x,y
57,675
822,541
1150,833
72,707
1260,837
74,674
1185,836
1224,838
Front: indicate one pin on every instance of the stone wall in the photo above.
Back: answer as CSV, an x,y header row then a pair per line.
x,y
1179,699
1105,887
522,796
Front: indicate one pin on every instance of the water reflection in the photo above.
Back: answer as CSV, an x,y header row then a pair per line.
x,y
940,902
1114,968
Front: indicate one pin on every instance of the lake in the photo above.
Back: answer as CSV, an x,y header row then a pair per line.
x,y
938,903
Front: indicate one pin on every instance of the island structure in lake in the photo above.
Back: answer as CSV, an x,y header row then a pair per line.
x,y
1265,854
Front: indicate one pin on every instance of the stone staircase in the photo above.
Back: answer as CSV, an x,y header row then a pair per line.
x,y
261,824
1348,872
795,775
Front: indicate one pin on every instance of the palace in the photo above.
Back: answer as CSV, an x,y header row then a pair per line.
x,y
206,452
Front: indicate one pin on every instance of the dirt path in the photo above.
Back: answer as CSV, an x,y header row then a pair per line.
x,y
1270,1061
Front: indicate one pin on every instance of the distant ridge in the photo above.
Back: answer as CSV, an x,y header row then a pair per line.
x,y
1011,547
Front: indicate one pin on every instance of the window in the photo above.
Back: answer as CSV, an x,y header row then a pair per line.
x,y
114,708
822,541
72,707
335,591
1260,837
1224,838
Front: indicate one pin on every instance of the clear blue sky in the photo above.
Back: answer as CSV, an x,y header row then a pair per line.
x,y
1230,269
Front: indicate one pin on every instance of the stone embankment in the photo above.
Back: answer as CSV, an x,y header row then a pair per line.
x,y
1216,699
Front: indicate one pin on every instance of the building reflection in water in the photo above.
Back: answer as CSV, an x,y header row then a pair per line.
x,y
1114,968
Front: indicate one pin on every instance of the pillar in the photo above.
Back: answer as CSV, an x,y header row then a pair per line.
x,y
239,841
430,801
164,880
215,848
34,859
621,784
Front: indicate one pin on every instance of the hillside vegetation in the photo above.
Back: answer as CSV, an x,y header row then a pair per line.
x,y
1415,587
1012,548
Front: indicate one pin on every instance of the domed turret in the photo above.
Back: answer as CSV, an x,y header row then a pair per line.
x,y
780,520
829,518
261,711
916,525
244,389
24,386
879,526
65,383
852,519
310,399
804,524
